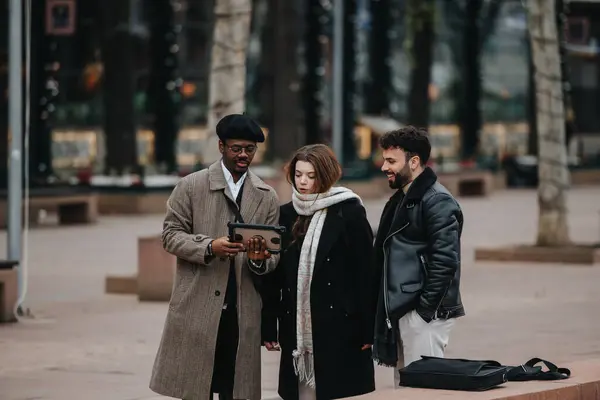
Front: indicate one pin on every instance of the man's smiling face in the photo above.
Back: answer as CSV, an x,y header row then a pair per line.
x,y
396,167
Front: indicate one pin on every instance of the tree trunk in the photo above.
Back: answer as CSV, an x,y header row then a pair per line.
x,y
378,89
4,125
562,10
474,21
227,84
287,116
470,115
266,72
4,17
312,78
420,18
349,82
42,99
552,162
163,89
118,89
532,138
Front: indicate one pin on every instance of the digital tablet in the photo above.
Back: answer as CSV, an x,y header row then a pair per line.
x,y
241,233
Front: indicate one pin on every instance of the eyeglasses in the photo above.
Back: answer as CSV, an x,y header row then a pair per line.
x,y
237,149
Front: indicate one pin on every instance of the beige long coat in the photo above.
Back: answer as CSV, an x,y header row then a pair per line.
x,y
196,213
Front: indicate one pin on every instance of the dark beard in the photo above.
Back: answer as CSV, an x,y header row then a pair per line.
x,y
401,178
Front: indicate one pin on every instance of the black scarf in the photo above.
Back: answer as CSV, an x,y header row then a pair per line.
x,y
385,346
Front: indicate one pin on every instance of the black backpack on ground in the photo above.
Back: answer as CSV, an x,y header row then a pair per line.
x,y
453,374
473,375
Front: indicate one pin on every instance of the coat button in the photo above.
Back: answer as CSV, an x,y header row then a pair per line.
x,y
328,259
328,283
217,293
289,290
331,306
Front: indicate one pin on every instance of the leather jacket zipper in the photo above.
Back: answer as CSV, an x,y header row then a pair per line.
x,y
385,274
442,299
423,262
445,293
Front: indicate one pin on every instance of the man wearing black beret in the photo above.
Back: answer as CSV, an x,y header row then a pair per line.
x,y
211,338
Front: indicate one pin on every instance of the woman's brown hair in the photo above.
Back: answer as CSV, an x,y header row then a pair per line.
x,y
327,172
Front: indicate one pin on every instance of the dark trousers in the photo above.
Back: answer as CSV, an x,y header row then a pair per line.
x,y
226,354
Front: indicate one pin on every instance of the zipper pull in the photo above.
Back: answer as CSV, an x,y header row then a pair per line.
x,y
389,323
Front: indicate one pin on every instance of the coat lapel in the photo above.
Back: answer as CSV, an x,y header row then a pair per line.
x,y
399,215
332,228
387,218
217,180
252,191
415,194
252,196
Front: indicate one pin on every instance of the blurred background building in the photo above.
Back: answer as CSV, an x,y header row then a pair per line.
x,y
121,87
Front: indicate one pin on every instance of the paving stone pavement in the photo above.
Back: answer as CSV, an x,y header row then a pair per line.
x,y
83,344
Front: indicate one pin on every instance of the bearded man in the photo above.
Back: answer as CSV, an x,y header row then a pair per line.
x,y
417,256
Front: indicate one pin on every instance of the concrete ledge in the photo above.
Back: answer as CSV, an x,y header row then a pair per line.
x,y
120,284
156,270
576,254
468,182
584,384
500,180
585,177
8,294
133,203
155,273
71,209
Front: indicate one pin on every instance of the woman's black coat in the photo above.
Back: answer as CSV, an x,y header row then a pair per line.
x,y
341,304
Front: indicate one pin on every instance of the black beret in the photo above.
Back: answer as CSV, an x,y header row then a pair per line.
x,y
238,126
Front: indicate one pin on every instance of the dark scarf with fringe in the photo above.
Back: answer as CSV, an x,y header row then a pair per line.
x,y
385,345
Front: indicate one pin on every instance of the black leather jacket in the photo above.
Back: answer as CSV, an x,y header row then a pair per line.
x,y
418,251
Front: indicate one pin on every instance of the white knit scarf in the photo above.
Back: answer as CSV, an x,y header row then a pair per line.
x,y
307,205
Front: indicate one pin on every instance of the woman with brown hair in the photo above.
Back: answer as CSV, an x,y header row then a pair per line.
x,y
320,291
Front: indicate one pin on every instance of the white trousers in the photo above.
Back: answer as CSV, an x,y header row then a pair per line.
x,y
305,392
419,338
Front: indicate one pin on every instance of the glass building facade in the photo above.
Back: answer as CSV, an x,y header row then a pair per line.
x,y
72,82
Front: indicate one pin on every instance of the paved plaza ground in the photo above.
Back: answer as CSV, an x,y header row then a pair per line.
x,y
83,344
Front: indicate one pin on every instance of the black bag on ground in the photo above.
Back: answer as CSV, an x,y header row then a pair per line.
x,y
453,374
529,372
